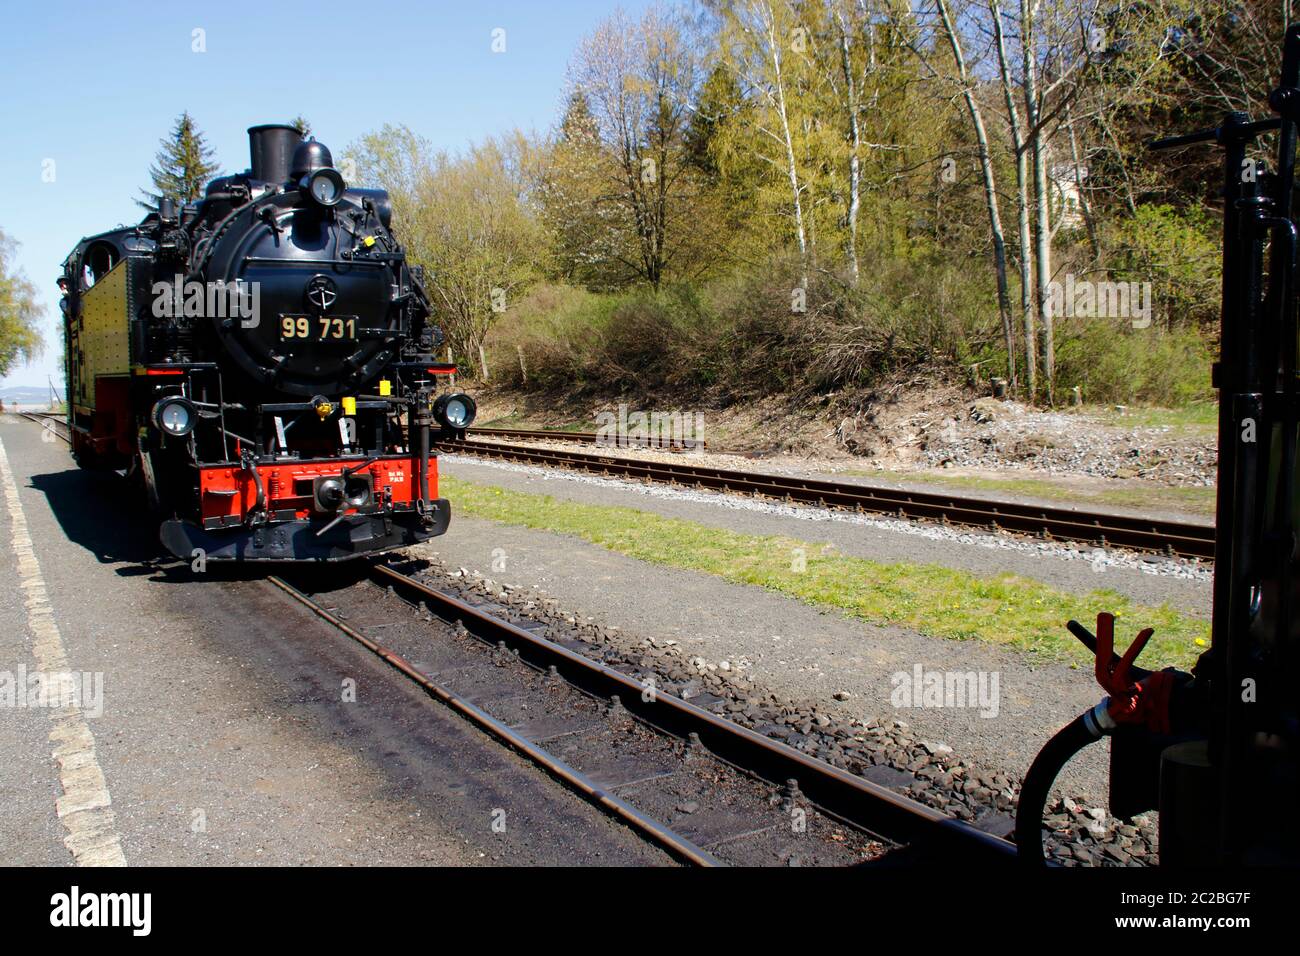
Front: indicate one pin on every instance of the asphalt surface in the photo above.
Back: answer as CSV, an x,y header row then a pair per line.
x,y
225,736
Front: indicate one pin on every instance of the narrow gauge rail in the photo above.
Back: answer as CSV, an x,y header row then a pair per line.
x,y
901,829
51,421
568,711
1063,524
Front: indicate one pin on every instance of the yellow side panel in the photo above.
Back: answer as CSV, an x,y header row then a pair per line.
x,y
103,337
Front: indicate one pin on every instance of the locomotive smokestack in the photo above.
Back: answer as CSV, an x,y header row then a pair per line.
x,y
270,149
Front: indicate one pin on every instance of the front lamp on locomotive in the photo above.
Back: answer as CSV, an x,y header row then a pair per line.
x,y
263,361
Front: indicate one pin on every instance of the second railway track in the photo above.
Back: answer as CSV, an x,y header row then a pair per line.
x,y
1097,529
53,422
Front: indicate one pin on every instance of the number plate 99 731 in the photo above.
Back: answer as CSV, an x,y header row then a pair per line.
x,y
318,328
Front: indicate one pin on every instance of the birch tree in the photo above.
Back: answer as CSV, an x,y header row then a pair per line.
x,y
998,241
638,79
759,36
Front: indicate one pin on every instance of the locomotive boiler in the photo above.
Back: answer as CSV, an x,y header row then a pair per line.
x,y
262,362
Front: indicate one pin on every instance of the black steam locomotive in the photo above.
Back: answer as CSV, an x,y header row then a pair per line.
x,y
262,360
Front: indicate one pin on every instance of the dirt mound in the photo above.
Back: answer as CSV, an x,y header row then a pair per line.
x,y
917,422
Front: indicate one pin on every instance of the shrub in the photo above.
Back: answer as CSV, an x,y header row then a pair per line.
x,y
743,337
1111,362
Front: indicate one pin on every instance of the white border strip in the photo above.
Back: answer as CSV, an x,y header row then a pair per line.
x,y
84,808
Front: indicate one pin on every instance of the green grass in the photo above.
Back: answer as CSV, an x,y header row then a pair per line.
x,y
1193,500
1193,417
1002,609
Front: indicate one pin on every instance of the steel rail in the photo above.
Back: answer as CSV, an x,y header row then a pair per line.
x,y
1095,528
677,845
860,802
44,419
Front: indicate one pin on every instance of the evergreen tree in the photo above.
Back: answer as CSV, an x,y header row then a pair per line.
x,y
301,124
578,126
183,166
720,100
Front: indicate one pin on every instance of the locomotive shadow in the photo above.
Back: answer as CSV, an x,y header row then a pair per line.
x,y
98,512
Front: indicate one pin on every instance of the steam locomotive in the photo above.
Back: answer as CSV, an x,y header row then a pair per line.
x,y
262,362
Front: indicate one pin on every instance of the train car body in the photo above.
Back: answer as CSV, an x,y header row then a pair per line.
x,y
261,362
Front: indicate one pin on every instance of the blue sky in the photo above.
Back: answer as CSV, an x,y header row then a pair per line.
x,y
93,86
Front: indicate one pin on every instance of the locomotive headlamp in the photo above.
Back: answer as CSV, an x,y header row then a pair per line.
x,y
174,416
325,186
456,410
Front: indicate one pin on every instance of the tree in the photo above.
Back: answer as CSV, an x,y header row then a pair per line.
x,y
20,339
638,80
182,168
757,35
1016,130
569,194
998,239
301,124
468,220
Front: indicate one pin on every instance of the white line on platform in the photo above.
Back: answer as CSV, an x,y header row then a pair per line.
x,y
85,805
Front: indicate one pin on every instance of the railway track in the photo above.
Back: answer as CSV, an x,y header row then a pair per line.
x,y
1060,524
1093,528
53,422
705,789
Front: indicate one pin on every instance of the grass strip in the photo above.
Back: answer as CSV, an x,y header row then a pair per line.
x,y
1004,609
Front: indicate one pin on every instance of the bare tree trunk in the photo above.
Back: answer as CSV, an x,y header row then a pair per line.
x,y
1022,204
990,191
1085,207
792,171
855,139
1042,224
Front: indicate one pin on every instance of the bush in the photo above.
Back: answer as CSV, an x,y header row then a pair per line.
x,y
742,338
1179,254
748,335
1111,362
